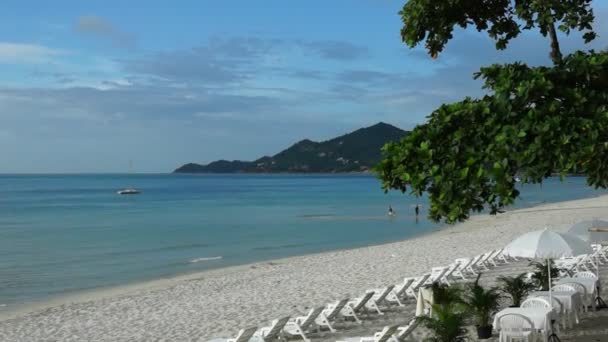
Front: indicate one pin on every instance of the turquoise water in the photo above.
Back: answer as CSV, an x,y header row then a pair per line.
x,y
66,233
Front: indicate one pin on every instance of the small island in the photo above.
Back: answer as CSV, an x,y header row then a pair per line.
x,y
358,151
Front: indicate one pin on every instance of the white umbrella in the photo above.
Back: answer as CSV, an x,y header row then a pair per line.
x,y
582,230
546,244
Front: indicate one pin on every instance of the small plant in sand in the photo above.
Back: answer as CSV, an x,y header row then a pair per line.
x,y
447,323
540,277
516,287
482,304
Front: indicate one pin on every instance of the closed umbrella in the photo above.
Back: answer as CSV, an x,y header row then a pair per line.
x,y
547,244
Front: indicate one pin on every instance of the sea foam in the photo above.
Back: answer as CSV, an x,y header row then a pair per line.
x,y
205,259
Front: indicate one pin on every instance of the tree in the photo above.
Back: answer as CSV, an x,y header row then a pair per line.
x,y
534,122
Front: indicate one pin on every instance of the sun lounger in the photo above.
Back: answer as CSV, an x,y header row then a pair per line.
x,y
398,292
273,332
437,274
355,306
244,335
482,263
403,333
379,298
300,325
461,269
412,291
381,336
330,314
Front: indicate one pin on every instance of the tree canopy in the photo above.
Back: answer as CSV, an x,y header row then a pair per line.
x,y
534,121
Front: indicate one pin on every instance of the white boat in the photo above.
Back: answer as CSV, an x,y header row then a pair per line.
x,y
128,191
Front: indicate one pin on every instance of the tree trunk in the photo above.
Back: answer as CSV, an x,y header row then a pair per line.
x,y
556,54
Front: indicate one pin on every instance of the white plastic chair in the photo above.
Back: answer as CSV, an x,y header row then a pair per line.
x,y
580,288
244,335
300,325
572,315
585,274
536,302
516,326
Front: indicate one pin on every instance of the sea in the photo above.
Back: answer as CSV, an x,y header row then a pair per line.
x,y
62,234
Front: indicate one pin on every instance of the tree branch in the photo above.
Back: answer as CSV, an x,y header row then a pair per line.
x,y
556,54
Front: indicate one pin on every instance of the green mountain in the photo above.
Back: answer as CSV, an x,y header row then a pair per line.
x,y
357,151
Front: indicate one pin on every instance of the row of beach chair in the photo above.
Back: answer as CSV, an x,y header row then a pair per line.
x,y
374,301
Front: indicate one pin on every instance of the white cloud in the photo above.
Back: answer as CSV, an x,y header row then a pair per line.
x,y
17,53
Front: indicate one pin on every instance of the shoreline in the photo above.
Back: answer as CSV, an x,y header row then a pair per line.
x,y
10,311
165,282
218,302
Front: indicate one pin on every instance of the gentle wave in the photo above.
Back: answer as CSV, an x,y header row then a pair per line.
x,y
205,259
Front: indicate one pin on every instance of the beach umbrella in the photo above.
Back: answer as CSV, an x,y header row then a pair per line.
x,y
547,244
591,231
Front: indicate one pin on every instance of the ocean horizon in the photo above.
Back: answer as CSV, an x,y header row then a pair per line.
x,y
62,234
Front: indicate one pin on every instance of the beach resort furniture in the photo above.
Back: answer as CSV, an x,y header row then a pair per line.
x,y
585,274
378,298
244,335
330,314
446,276
540,317
381,336
547,302
403,333
570,299
587,287
482,263
461,269
398,292
515,327
355,306
412,291
495,258
437,274
300,325
273,332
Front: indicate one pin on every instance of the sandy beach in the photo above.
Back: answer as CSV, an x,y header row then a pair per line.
x,y
218,303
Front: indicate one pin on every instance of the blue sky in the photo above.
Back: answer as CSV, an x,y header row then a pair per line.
x,y
88,85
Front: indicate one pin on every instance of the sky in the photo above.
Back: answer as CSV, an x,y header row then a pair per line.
x,y
87,86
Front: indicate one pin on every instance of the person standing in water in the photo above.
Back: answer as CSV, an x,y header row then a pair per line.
x,y
391,212
417,211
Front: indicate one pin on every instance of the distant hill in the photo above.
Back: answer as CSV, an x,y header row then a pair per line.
x,y
357,151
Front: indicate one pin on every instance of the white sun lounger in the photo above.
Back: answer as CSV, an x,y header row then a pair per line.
x,y
355,306
403,333
381,336
482,263
244,335
330,314
437,274
412,291
399,292
450,270
300,325
378,298
461,270
273,332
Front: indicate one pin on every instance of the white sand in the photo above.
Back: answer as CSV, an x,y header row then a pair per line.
x,y
217,303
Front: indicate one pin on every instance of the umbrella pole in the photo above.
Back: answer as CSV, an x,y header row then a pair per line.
x,y
549,273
